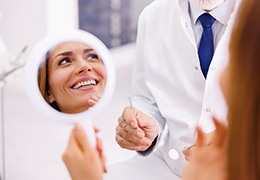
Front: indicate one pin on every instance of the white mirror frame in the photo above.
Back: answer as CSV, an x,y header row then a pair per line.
x,y
38,54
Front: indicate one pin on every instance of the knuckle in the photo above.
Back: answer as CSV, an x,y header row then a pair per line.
x,y
118,128
120,132
121,142
123,125
125,109
66,156
126,135
119,119
117,140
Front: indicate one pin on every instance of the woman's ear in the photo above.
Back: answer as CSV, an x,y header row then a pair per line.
x,y
51,97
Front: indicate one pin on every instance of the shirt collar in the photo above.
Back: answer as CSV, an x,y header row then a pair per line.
x,y
221,13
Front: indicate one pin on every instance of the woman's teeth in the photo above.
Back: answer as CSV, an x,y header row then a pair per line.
x,y
84,83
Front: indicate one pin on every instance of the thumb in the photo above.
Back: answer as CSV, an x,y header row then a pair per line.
x,y
81,137
144,121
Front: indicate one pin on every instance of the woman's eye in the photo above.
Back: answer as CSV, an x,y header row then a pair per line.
x,y
64,61
92,57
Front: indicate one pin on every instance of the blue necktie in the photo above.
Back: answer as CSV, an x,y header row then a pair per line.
x,y
206,47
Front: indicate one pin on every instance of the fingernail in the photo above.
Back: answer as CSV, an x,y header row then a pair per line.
x,y
133,125
184,151
105,169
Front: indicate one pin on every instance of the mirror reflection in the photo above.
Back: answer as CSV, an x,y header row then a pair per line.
x,y
72,77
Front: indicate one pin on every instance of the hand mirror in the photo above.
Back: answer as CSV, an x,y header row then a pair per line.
x,y
70,77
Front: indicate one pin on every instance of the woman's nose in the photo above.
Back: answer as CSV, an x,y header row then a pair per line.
x,y
83,67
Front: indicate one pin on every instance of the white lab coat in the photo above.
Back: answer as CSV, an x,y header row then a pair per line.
x,y
168,82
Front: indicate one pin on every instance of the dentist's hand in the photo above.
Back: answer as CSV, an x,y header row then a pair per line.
x,y
135,130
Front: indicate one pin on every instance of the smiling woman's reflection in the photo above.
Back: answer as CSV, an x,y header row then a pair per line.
x,y
72,78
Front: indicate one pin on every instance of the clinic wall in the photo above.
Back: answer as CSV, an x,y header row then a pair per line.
x,y
23,22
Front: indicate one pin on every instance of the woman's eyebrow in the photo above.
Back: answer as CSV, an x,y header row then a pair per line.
x,y
69,53
66,53
87,50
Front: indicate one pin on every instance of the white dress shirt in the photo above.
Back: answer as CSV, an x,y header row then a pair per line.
x,y
221,14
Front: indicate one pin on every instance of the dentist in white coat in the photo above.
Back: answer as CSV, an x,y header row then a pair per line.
x,y
170,92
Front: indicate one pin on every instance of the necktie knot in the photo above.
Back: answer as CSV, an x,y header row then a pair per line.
x,y
206,20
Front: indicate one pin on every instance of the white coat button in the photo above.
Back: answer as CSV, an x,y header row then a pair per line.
x,y
173,154
208,109
213,68
196,68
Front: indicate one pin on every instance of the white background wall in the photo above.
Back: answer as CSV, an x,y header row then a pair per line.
x,y
34,143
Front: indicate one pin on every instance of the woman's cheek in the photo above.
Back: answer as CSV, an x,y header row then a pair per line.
x,y
58,79
103,72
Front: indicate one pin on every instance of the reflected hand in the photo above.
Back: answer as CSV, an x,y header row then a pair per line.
x,y
135,130
82,161
208,161
93,100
